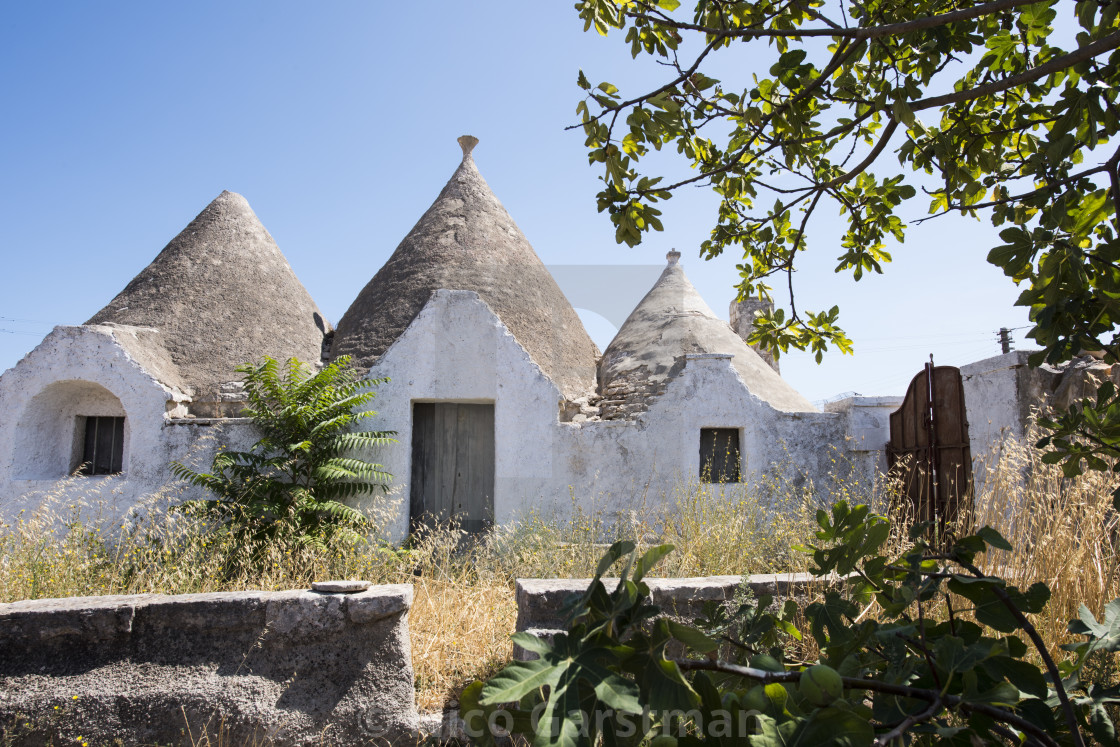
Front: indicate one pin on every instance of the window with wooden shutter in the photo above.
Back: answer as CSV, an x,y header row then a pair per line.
x,y
103,447
719,455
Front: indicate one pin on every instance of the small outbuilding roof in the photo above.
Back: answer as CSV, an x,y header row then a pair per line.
x,y
467,241
221,294
670,322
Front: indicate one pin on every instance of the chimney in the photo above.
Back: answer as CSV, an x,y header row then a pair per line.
x,y
742,321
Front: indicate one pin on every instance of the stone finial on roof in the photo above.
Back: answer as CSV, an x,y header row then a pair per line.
x,y
467,241
673,257
467,143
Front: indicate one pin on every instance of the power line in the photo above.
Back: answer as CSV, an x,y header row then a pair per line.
x,y
943,335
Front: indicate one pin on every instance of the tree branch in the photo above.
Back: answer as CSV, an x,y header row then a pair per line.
x,y
862,166
1089,51
1025,195
1039,644
909,721
683,76
857,33
855,683
1110,42
797,245
1114,190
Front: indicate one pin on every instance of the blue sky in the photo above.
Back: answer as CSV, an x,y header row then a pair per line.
x,y
337,121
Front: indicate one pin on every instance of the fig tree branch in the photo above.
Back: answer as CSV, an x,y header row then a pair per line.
x,y
856,33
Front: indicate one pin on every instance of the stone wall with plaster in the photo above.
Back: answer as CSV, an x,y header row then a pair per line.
x,y
868,429
458,350
83,371
1001,393
619,464
283,668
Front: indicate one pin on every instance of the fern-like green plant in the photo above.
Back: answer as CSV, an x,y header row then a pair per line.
x,y
292,483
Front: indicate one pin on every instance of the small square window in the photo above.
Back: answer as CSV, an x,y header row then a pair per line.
x,y
103,446
719,455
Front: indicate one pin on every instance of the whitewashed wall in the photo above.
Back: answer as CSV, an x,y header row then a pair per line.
x,y
868,430
455,350
458,350
1001,395
80,371
654,456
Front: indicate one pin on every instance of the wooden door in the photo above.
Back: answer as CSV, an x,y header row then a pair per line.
x,y
453,464
929,448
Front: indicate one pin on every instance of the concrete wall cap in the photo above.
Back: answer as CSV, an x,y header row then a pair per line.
x,y
708,356
996,362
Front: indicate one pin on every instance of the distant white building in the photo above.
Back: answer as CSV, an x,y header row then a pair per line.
x,y
501,401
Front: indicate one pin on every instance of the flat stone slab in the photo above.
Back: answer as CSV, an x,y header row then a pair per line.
x,y
340,587
279,668
540,600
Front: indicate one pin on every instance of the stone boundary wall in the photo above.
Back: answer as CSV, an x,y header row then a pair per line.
x,y
284,668
540,601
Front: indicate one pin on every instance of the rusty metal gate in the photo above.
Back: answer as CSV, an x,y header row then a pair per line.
x,y
929,450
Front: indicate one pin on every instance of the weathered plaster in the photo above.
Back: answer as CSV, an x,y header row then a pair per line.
x,y
48,438
1000,394
869,427
458,350
83,371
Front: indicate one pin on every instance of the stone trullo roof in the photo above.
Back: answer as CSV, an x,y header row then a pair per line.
x,y
670,322
220,294
467,241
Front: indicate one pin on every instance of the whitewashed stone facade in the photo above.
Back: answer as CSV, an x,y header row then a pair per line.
x,y
87,371
476,326
458,350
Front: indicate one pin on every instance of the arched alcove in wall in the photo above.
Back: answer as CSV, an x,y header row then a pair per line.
x,y
65,424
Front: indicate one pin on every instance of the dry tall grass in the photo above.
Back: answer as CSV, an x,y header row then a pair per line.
x,y
1064,532
464,608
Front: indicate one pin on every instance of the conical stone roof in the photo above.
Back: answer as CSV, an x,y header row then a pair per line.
x,y
467,241
221,294
670,322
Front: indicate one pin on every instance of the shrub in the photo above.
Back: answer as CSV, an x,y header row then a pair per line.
x,y
291,485
979,672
